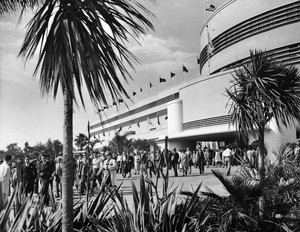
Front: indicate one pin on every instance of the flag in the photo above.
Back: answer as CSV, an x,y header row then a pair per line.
x,y
138,124
184,69
151,85
162,80
141,90
198,60
133,93
172,74
210,7
114,103
121,100
149,122
158,122
210,46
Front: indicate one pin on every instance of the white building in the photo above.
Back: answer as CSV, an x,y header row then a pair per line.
x,y
195,110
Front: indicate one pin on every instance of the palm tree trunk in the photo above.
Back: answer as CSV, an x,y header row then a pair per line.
x,y
261,169
68,166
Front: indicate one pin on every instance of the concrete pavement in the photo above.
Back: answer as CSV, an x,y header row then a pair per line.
x,y
190,182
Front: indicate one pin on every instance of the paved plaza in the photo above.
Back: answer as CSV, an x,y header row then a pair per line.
x,y
190,182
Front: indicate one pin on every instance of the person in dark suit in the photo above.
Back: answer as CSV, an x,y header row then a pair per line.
x,y
29,174
174,161
46,171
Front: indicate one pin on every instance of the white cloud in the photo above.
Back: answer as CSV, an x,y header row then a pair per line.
x,y
156,50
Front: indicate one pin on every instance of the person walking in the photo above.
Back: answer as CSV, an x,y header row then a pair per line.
x,y
184,163
29,174
174,161
150,164
5,176
110,173
218,160
206,156
190,159
137,163
200,160
227,160
96,177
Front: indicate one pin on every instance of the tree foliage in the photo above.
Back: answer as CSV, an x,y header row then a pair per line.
x,y
261,90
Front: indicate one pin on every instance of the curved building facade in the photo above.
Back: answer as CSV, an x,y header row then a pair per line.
x,y
195,110
238,26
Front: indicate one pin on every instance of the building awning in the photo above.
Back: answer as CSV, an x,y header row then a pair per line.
x,y
203,133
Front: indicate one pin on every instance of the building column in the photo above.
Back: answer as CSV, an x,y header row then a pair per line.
x,y
175,116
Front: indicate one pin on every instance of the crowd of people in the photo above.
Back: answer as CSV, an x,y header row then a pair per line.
x,y
29,175
43,175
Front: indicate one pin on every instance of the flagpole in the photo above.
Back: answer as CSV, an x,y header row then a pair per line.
x,y
170,78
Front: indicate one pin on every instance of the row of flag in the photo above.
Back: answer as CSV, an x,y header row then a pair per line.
x,y
210,48
161,80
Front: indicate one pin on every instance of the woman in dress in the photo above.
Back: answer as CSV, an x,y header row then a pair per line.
x,y
137,163
184,163
110,172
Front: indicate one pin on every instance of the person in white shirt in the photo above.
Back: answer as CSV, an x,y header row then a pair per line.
x,y
119,163
137,163
227,160
96,177
5,176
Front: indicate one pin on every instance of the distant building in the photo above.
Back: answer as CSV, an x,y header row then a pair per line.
x,y
194,111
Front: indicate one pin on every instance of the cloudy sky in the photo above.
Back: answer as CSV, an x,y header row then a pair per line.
x,y
27,116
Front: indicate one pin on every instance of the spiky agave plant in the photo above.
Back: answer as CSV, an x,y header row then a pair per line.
x,y
155,211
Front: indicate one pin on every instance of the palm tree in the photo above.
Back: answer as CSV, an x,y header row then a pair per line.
x,y
82,43
81,141
119,143
263,90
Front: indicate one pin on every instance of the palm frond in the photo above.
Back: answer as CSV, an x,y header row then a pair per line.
x,y
9,6
83,43
263,90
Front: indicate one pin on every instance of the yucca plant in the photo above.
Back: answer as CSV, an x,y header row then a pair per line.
x,y
176,210
243,190
284,188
